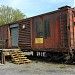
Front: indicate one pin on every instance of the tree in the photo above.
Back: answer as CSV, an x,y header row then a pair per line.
x,y
8,14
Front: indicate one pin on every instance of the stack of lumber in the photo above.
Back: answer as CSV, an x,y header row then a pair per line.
x,y
18,57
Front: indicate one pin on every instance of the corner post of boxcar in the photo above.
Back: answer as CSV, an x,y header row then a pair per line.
x,y
9,37
31,32
70,32
3,58
71,29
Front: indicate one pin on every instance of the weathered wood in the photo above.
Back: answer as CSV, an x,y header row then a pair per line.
x,y
5,50
3,58
19,57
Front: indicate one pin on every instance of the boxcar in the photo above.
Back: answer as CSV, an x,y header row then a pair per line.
x,y
16,35
52,33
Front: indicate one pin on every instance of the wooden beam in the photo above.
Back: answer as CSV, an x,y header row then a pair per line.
x,y
4,50
3,58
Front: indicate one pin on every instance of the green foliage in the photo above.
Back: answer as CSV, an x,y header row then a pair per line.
x,y
8,14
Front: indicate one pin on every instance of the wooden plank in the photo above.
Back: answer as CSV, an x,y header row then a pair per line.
x,y
9,49
3,58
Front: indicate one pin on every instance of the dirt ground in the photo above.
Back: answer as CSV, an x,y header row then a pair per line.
x,y
37,68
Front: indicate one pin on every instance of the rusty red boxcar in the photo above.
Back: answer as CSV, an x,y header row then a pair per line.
x,y
52,33
54,30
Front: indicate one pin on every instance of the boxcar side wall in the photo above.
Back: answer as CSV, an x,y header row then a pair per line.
x,y
57,36
39,40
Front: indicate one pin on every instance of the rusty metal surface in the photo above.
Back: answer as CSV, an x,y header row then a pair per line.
x,y
71,28
53,41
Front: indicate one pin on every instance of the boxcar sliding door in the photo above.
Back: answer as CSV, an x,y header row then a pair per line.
x,y
14,35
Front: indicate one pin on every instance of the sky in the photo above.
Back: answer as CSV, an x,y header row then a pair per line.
x,y
35,7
